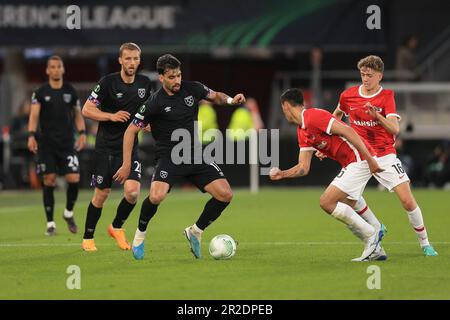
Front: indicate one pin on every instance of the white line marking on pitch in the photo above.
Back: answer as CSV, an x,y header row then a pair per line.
x,y
288,243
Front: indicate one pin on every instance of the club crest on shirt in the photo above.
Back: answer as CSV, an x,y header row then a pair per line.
x,y
67,97
189,101
321,145
141,92
163,174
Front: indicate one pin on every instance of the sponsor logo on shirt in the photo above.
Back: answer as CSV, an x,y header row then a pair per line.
x,y
369,123
119,95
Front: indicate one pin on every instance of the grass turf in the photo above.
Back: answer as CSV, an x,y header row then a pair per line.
x,y
288,249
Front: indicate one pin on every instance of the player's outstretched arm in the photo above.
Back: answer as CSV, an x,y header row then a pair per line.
x,y
32,126
348,133
221,98
128,143
299,170
91,111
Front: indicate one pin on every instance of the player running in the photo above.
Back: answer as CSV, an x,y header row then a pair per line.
x,y
113,100
372,114
172,107
55,107
319,130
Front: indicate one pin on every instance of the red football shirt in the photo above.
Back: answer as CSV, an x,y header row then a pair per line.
x,y
352,102
315,134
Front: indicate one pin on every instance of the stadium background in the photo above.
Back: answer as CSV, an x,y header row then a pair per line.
x,y
255,48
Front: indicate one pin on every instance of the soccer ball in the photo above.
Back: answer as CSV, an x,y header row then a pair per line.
x,y
222,247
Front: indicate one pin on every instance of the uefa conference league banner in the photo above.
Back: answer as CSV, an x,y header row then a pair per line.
x,y
195,24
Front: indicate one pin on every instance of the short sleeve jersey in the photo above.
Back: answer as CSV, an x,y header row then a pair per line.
x,y
56,117
111,95
315,134
166,113
352,102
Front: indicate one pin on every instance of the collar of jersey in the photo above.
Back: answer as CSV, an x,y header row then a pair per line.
x,y
371,96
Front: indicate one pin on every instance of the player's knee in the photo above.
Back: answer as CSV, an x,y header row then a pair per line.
x,y
100,197
132,195
325,203
225,195
409,204
157,197
50,181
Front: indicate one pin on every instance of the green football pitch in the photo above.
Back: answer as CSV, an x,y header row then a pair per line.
x,y
288,249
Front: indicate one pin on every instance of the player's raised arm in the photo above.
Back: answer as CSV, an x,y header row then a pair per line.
x,y
299,170
348,133
33,123
390,123
222,98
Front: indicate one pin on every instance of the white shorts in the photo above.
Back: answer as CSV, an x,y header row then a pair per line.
x,y
393,173
353,179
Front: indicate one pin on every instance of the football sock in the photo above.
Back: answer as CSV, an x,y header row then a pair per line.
x,y
123,211
51,224
93,215
364,211
347,215
416,220
49,202
211,212
68,214
148,210
139,237
71,196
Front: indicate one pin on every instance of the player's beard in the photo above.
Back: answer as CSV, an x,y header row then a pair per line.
x,y
175,88
130,72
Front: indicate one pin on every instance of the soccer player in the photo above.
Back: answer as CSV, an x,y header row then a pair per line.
x,y
113,100
56,108
175,106
372,114
319,130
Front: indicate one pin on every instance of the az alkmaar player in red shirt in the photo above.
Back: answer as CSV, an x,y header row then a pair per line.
x,y
319,130
372,114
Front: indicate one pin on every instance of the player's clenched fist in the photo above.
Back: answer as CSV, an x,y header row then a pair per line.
x,y
238,99
275,174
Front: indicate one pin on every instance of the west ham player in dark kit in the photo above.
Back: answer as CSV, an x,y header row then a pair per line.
x,y
172,107
55,107
113,100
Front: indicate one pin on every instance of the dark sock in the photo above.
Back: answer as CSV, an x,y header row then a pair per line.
x,y
123,211
49,202
71,195
211,212
148,210
93,214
